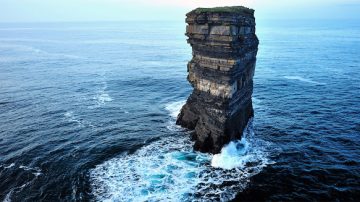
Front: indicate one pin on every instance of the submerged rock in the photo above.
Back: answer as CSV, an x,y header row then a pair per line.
x,y
221,72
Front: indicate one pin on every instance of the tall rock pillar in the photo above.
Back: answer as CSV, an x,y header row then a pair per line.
x,y
221,72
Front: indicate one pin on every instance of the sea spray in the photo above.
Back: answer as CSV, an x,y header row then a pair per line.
x,y
174,108
170,170
232,155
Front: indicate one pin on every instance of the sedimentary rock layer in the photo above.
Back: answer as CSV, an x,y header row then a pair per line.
x,y
221,72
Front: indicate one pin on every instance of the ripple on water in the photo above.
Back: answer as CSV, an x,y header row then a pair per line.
x,y
302,79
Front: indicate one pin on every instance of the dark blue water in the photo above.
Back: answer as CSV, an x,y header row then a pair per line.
x,y
87,112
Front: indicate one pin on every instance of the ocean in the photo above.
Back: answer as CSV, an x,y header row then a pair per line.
x,y
88,110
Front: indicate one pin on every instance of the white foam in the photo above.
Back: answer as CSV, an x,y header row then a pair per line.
x,y
232,155
17,189
237,154
35,171
10,166
162,170
169,170
299,78
103,97
256,103
72,118
175,107
8,196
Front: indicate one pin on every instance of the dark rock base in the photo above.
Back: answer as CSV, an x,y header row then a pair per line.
x,y
221,72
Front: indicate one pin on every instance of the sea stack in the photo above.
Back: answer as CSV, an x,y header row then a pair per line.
x,y
224,47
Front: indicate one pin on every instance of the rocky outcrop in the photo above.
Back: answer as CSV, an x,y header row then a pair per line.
x,y
221,72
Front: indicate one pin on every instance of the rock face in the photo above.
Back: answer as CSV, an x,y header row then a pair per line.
x,y
221,72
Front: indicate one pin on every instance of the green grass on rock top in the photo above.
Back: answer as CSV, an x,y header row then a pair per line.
x,y
226,9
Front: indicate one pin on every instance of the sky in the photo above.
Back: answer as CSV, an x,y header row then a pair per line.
x,y
168,10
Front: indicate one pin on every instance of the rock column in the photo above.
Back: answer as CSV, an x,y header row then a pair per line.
x,y
221,72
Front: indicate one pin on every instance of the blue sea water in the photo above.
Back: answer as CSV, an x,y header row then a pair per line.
x,y
87,112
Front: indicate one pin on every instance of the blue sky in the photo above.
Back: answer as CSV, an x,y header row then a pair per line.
x,y
125,10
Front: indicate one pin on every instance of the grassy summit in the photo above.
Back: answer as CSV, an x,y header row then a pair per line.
x,y
226,9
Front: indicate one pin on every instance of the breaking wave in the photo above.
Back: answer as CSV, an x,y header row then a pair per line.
x,y
174,108
170,170
238,154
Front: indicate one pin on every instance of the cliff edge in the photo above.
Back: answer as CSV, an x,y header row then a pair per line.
x,y
221,72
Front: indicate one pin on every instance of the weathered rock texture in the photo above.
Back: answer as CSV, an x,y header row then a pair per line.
x,y
221,71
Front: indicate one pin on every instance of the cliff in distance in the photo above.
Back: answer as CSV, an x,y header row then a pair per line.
x,y
221,72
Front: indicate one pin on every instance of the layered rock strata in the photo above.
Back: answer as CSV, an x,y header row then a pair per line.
x,y
221,72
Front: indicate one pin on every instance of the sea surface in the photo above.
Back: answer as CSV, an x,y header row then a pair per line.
x,y
88,110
